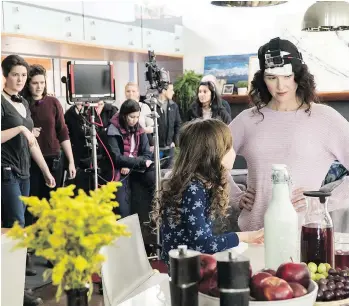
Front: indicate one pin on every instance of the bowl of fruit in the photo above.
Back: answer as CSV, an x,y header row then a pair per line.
x,y
290,285
333,284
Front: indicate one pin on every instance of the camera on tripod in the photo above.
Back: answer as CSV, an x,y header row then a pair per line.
x,y
158,78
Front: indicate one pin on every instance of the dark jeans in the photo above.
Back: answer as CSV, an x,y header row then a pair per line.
x,y
167,163
38,185
134,194
12,208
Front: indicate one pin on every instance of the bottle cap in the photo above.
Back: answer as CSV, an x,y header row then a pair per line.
x,y
280,174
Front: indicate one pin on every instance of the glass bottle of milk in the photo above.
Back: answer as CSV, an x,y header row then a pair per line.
x,y
280,222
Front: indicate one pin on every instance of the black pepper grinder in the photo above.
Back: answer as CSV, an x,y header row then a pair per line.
x,y
233,279
184,276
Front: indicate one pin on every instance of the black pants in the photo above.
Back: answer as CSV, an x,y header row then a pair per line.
x,y
135,197
135,194
38,185
167,156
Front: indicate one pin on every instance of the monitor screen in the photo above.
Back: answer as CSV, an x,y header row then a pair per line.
x,y
91,81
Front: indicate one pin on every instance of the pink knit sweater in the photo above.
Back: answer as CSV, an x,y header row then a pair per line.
x,y
306,144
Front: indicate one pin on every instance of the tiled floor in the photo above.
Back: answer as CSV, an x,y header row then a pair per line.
x,y
47,293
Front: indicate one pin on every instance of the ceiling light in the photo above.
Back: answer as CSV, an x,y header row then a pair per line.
x,y
246,3
327,16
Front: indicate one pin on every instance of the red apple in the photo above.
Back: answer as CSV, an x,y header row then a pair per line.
x,y
255,286
204,286
295,273
270,271
208,265
298,289
275,289
214,290
209,285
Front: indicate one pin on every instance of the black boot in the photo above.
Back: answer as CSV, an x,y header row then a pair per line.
x,y
29,271
49,264
31,300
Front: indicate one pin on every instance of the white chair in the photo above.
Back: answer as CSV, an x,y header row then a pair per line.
x,y
12,272
127,271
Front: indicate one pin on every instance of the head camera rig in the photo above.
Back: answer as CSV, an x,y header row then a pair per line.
x,y
275,57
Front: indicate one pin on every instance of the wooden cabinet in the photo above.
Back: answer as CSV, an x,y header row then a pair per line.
x,y
122,11
71,6
34,21
100,23
108,33
159,41
178,44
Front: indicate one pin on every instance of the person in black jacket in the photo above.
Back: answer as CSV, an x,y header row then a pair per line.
x,y
129,148
104,112
208,104
213,79
77,119
169,123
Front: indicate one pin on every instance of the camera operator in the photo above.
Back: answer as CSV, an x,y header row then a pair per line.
x,y
77,131
104,112
131,156
78,121
51,132
169,123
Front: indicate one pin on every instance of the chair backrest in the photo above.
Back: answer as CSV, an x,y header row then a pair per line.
x,y
127,265
12,272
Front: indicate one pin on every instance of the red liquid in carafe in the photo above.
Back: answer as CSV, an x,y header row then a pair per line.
x,y
317,244
341,259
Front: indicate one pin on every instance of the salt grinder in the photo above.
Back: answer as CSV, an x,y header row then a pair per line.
x,y
184,276
233,279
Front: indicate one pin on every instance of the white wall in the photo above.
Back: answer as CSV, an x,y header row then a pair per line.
x,y
211,30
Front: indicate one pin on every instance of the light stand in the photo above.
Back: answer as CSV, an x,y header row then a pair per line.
x,y
93,139
93,132
152,100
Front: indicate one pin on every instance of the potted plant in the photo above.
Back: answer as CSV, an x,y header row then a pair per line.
x,y
70,232
185,88
242,87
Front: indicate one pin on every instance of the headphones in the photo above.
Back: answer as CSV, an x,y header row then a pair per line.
x,y
14,98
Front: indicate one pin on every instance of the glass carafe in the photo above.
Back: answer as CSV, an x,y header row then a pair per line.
x,y
317,242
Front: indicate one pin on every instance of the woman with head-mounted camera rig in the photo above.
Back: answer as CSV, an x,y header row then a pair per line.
x,y
287,125
208,104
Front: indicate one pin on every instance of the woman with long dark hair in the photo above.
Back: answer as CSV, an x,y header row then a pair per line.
x,y
208,104
50,130
288,126
131,155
